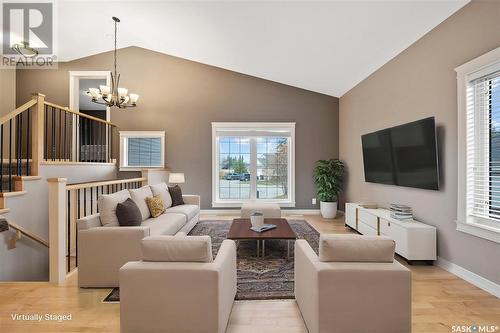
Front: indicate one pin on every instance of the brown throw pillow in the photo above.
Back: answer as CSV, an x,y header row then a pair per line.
x,y
176,194
128,214
155,205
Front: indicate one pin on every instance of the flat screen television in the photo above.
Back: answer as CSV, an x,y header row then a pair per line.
x,y
404,155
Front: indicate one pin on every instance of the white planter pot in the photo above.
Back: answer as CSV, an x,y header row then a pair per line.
x,y
328,209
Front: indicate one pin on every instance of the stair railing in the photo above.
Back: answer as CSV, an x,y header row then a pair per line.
x,y
67,204
16,144
39,131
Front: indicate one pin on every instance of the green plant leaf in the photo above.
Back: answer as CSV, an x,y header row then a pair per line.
x,y
328,178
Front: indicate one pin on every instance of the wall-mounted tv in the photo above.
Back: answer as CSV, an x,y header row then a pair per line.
x,y
404,155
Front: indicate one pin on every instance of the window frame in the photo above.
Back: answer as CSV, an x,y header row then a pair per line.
x,y
124,135
477,226
246,129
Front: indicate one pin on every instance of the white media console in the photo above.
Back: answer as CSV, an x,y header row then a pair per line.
x,y
414,240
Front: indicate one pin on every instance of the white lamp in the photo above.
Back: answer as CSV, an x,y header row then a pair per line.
x,y
176,178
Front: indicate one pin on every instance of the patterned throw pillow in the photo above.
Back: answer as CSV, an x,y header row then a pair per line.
x,y
155,205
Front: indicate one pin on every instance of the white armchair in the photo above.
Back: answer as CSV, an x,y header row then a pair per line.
x,y
354,285
177,287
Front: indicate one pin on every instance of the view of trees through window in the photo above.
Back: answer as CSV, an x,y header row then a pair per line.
x,y
269,167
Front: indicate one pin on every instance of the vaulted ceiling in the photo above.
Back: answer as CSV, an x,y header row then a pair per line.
x,y
324,46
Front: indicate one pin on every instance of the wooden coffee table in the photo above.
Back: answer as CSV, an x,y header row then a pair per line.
x,y
240,230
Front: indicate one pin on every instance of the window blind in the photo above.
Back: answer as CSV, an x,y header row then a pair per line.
x,y
483,146
144,152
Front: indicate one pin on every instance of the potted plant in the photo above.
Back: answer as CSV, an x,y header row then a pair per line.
x,y
328,177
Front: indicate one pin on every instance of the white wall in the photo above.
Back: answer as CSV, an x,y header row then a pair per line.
x,y
30,260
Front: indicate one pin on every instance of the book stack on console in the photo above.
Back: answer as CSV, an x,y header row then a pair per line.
x,y
401,212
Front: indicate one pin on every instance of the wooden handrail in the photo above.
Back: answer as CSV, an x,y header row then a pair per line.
x,y
17,111
64,108
28,234
77,186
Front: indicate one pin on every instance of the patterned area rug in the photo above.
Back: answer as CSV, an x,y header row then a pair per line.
x,y
271,277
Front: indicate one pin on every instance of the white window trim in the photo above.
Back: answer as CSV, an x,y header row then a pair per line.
x,y
251,126
140,134
479,227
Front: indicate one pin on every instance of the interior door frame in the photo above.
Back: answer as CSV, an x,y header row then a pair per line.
x,y
74,103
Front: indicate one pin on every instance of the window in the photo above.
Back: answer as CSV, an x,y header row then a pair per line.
x,y
140,150
253,162
479,146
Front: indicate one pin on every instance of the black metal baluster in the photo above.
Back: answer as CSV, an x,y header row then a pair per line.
x,y
84,137
94,150
10,155
80,135
20,145
1,158
53,120
19,127
91,200
87,134
95,132
46,124
65,130
60,135
106,133
84,202
91,139
28,143
69,231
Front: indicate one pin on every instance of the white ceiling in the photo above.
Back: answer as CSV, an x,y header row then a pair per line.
x,y
326,46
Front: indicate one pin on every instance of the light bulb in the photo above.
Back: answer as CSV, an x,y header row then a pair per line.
x,y
134,98
105,89
122,92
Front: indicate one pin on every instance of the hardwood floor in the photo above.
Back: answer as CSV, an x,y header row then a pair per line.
x,y
440,300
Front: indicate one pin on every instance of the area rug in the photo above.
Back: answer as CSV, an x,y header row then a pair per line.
x,y
271,277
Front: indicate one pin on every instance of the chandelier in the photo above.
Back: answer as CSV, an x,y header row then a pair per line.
x,y
114,95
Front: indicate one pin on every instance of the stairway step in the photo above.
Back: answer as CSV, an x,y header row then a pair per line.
x,y
12,194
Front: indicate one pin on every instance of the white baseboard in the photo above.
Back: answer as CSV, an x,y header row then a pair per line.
x,y
285,212
477,280
220,212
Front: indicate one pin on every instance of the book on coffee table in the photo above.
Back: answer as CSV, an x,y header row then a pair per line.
x,y
265,227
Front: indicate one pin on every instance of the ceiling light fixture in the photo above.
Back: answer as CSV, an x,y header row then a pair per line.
x,y
24,49
113,96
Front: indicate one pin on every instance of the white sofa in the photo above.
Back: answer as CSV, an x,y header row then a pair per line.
x,y
177,287
354,285
104,246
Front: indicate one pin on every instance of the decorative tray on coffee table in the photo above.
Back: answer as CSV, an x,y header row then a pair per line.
x,y
265,227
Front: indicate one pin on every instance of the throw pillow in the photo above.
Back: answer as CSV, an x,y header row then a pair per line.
x,y
107,207
155,205
128,214
162,190
139,196
176,194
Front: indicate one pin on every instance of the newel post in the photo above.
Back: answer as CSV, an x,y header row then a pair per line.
x,y
37,136
57,229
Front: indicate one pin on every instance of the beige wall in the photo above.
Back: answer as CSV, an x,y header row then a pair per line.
x,y
418,83
183,98
7,90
